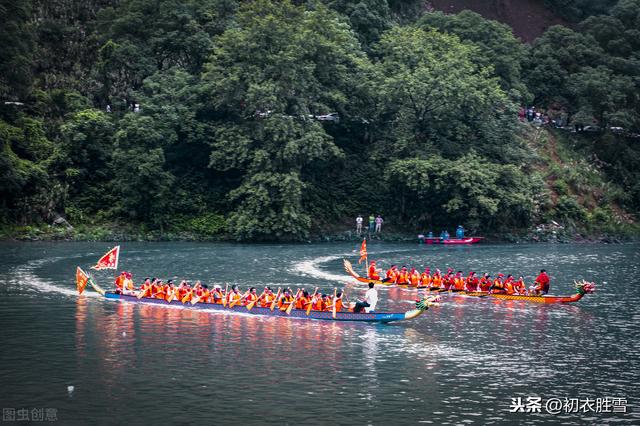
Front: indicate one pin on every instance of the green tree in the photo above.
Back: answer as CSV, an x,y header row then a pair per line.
x,y
497,46
280,65
432,97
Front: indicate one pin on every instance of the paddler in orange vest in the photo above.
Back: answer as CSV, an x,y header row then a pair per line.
x,y
373,272
156,287
339,301
508,284
234,296
182,290
328,306
437,279
317,303
285,300
403,276
145,287
390,275
497,286
303,301
472,282
216,294
425,278
119,281
414,278
458,281
266,298
520,287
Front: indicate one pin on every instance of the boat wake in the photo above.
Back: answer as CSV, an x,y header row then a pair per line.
x,y
25,279
311,268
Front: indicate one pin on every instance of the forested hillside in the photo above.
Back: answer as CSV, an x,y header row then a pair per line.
x,y
277,120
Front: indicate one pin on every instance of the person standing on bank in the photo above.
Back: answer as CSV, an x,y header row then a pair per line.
x,y
359,224
379,222
372,222
370,300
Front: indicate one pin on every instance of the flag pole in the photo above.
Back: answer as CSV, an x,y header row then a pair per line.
x,y
366,262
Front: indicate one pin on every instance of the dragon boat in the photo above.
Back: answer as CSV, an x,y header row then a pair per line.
x,y
582,288
371,317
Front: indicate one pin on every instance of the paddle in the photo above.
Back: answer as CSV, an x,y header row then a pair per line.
x,y
186,296
224,296
311,301
196,299
235,302
251,304
333,309
172,295
295,299
275,301
142,293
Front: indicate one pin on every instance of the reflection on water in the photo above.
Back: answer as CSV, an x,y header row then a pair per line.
x,y
461,363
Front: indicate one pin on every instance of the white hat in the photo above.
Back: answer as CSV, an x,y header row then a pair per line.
x,y
217,286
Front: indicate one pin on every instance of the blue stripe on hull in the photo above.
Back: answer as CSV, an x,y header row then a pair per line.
x,y
382,317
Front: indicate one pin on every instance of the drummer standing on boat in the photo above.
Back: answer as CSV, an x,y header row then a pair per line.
x,y
542,283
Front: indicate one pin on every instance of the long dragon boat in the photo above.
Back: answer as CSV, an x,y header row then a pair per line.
x,y
582,288
371,317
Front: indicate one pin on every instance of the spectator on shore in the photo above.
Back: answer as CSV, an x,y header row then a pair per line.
x,y
372,221
379,222
359,224
108,108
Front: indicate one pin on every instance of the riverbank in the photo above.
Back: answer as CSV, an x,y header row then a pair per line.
x,y
553,233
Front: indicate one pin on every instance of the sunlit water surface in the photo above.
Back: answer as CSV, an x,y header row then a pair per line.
x,y
460,363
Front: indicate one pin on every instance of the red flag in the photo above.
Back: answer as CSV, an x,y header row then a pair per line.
x,y
363,251
109,260
81,279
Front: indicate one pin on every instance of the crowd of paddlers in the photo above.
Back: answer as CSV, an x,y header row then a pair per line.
x,y
283,299
457,281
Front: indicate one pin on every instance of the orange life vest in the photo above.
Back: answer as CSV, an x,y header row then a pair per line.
x,y
425,279
415,279
373,274
458,283
284,302
437,281
302,302
267,300
318,304
403,277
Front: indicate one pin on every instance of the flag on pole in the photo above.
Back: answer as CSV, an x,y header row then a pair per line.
x,y
363,251
81,279
109,260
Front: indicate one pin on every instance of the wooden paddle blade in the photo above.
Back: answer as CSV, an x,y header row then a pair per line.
x,y
251,304
195,300
275,301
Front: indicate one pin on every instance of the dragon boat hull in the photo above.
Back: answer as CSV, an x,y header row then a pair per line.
x,y
535,299
373,317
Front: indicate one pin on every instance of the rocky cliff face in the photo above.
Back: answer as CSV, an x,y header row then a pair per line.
x,y
528,18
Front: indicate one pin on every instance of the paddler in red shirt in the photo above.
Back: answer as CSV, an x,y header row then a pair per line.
x,y
373,272
541,285
251,296
485,282
472,282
